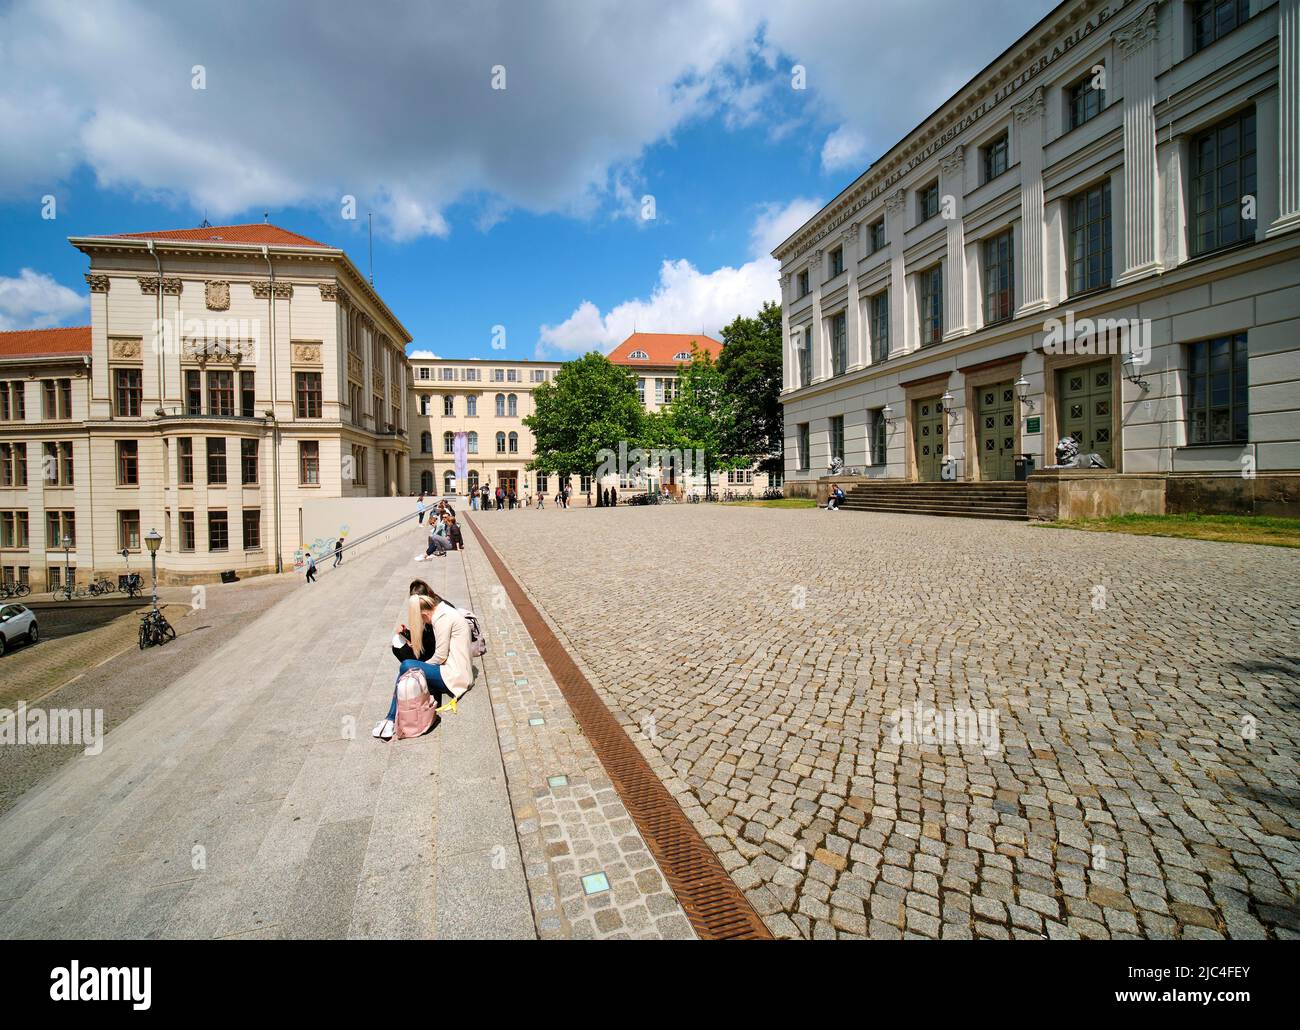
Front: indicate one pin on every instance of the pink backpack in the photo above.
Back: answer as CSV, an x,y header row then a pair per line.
x,y
416,711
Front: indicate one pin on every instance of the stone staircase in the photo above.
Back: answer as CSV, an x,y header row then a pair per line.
x,y
1002,500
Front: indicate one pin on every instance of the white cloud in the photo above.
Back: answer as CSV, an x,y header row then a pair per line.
x,y
685,299
33,300
426,355
396,107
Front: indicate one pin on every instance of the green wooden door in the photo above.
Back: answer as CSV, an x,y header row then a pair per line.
x,y
996,430
928,420
1084,394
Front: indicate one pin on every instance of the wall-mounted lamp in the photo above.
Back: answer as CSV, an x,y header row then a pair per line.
x,y
1022,391
1132,369
888,413
947,401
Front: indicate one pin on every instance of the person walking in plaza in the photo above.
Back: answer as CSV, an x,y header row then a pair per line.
x,y
541,500
483,503
613,496
338,551
501,498
311,568
419,507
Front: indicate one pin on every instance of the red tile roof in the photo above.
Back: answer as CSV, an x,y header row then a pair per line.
x,y
22,343
257,233
661,348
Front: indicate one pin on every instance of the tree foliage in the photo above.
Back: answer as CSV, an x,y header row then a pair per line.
x,y
590,404
751,370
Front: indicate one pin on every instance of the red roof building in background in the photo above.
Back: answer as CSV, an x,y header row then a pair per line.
x,y
254,233
45,343
662,350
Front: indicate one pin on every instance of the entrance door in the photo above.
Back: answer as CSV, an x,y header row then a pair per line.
x,y
928,421
508,481
996,419
1084,394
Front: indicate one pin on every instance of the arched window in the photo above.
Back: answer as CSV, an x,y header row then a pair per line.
x,y
426,482
471,406
449,406
424,404
448,442
501,405
640,355
449,482
514,443
426,442
471,443
472,480
512,403
501,443
682,355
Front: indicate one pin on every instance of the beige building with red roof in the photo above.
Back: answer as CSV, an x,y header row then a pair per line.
x,y
228,375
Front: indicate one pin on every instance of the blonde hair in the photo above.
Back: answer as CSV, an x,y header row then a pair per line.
x,y
416,606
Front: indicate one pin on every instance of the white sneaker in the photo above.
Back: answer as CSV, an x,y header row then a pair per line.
x,y
383,730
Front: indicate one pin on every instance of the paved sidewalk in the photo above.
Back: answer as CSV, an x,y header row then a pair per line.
x,y
248,798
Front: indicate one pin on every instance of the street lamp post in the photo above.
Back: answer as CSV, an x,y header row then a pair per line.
x,y
153,538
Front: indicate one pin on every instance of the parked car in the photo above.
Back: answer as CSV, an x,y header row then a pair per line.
x,y
17,624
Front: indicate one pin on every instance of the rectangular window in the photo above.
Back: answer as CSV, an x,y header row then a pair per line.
x,y
927,198
803,287
640,389
805,357
221,393
13,402
216,446
307,389
659,391
193,392
252,528
994,157
185,458
13,464
471,406
1223,175
1085,101
805,459
931,305
1090,239
999,279
447,375
1217,409
543,482
498,375
423,373
58,463
512,375
837,261
13,529
879,318
309,462
60,529
473,375
1214,19
218,531
187,530
879,428
839,344
128,530
128,462
876,235
837,436
247,395
248,462
129,392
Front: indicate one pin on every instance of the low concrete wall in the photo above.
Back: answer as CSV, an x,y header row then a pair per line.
x,y
1268,493
1093,493
822,488
325,519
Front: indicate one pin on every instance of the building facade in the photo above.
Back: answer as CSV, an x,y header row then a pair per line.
x,y
1095,238
228,375
487,401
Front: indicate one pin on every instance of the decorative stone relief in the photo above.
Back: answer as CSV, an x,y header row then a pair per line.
x,y
954,162
97,283
306,353
262,290
329,291
171,287
125,350
217,294
1139,32
895,201
1031,106
356,371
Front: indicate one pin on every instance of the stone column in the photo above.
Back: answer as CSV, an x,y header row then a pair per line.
x,y
821,358
852,327
789,379
952,179
1030,131
1136,42
895,206
1288,184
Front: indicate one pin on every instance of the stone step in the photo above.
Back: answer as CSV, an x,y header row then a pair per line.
x,y
960,513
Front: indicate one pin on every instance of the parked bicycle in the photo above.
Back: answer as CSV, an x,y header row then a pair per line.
x,y
101,586
68,591
14,590
155,630
132,586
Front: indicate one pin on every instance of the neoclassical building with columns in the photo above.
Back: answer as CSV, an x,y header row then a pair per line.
x,y
1097,237
229,375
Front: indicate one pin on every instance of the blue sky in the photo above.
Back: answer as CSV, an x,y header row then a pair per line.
x,y
518,206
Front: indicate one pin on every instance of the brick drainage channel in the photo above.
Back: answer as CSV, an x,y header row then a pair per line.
x,y
709,897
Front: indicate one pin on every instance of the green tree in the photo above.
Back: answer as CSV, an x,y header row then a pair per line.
x,y
751,369
701,417
591,404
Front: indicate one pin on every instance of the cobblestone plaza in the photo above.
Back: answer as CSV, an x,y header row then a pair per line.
x,y
1142,780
